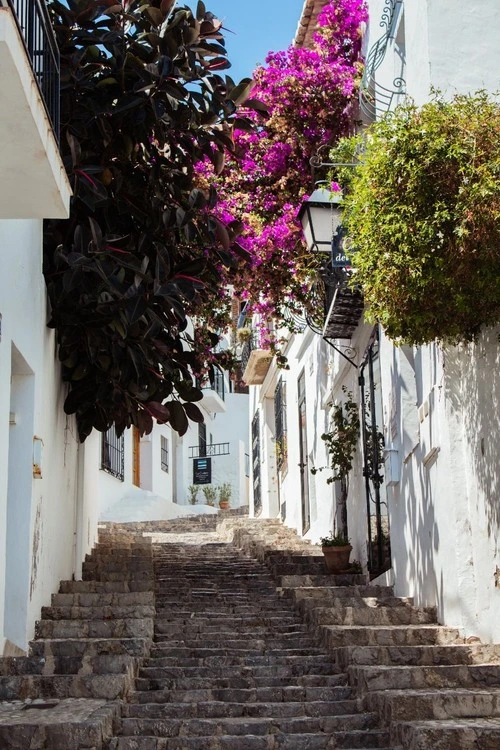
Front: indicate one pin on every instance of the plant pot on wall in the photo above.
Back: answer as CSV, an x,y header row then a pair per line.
x,y
224,504
337,558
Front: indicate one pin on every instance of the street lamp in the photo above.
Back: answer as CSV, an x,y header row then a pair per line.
x,y
320,216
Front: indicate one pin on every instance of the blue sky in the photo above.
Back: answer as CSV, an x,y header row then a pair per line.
x,y
258,26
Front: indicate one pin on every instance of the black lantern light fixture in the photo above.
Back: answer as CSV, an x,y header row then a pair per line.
x,y
320,216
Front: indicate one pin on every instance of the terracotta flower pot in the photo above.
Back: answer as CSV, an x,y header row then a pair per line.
x,y
337,558
224,504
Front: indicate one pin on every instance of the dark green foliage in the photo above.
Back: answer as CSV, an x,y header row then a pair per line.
x,y
423,212
141,104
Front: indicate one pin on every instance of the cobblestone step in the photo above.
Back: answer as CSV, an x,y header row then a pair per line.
x,y
355,740
408,705
127,628
335,636
102,599
107,612
164,727
449,734
107,686
368,679
369,616
457,653
69,724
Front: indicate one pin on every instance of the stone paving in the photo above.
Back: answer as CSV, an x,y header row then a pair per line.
x,y
188,636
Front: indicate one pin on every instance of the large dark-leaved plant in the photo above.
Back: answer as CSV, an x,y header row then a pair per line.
x,y
142,102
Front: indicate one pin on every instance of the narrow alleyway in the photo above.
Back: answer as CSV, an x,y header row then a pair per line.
x,y
182,640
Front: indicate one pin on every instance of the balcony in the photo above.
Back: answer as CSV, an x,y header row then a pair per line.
x,y
255,362
214,449
343,304
376,99
34,181
213,393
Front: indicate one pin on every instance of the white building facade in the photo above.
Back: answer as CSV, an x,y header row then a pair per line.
x,y
426,518
45,526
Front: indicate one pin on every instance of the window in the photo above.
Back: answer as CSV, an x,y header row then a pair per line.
x,y
280,425
164,453
202,439
113,453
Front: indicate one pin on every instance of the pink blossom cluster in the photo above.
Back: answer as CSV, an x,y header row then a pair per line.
x,y
309,95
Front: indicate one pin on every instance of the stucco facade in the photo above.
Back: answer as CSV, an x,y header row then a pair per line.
x,y
436,407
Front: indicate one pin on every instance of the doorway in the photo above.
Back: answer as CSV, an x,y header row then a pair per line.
x,y
304,462
19,498
136,456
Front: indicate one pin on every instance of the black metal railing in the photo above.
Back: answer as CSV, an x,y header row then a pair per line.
x,y
113,453
375,99
343,303
215,449
216,385
250,344
36,30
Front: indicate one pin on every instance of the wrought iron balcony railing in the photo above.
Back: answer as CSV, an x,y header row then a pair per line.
x,y
36,30
215,449
374,98
343,304
217,385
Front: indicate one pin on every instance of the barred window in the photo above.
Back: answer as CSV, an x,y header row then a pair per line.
x,y
202,439
280,424
164,453
113,453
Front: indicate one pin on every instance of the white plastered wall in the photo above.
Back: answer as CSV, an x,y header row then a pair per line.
x,y
38,541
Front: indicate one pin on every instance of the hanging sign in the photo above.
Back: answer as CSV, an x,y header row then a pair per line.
x,y
202,470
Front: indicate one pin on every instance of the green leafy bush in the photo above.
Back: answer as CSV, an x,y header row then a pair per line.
x,y
423,213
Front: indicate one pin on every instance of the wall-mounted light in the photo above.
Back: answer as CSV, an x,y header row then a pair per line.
x,y
320,216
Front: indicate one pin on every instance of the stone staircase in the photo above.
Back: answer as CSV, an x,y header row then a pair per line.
x,y
233,666
428,686
66,694
184,637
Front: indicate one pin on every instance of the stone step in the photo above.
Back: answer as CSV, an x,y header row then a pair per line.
x,y
69,724
127,628
132,576
273,694
223,614
458,653
79,648
81,664
107,612
335,636
259,672
109,687
345,597
222,709
450,734
196,682
368,679
102,599
218,659
433,703
196,629
356,740
88,587
241,726
332,581
371,616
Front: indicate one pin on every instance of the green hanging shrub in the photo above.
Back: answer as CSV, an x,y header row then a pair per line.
x,y
423,213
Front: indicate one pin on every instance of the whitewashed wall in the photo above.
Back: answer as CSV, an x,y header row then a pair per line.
x,y
42,527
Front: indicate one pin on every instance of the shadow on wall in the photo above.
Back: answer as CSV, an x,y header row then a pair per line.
x,y
477,367
414,532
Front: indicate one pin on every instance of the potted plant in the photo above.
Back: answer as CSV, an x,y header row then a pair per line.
x,y
224,495
193,494
341,444
210,494
337,549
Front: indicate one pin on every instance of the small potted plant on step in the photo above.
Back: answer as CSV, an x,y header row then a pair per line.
x,y
210,494
224,495
337,549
